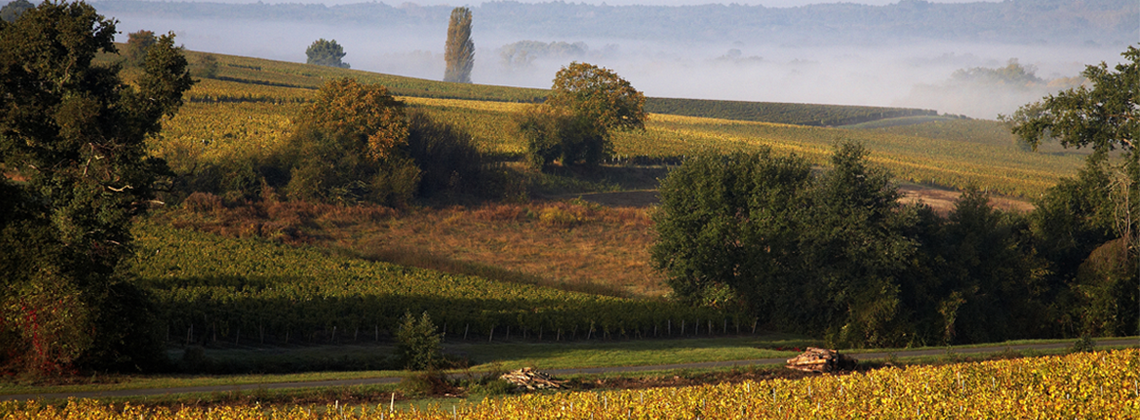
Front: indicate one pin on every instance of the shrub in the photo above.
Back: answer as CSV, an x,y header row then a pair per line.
x,y
447,158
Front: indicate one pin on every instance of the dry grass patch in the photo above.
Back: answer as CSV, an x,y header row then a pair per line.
x,y
571,245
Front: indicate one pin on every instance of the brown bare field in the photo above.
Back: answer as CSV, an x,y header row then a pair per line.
x,y
571,245
942,200
594,243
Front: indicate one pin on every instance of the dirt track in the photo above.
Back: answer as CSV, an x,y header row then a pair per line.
x,y
1130,342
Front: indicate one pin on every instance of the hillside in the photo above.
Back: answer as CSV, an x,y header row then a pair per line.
x,y
245,111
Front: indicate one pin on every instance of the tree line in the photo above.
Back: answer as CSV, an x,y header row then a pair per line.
x,y
834,253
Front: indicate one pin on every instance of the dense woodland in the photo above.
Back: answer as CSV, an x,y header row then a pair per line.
x,y
748,235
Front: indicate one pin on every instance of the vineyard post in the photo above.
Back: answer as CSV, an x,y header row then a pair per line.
x,y
189,334
237,337
508,333
333,338
539,333
669,328
754,321
491,336
355,333
377,331
682,328
465,328
725,326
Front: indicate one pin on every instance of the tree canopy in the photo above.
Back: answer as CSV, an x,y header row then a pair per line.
x,y
1089,226
460,49
586,102
348,146
834,253
323,52
13,9
74,135
137,44
598,95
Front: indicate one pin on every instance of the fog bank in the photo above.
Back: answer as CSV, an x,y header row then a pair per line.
x,y
913,74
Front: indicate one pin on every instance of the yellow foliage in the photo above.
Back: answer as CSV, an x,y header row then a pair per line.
x,y
1101,385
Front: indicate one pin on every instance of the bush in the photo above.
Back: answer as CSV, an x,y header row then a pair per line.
x,y
349,147
553,134
426,384
1083,345
447,158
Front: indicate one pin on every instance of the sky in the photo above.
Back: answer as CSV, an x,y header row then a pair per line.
x,y
765,3
910,74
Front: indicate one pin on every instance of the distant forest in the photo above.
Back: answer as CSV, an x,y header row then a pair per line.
x,y
1093,22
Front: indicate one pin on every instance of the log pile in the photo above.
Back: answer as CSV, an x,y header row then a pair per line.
x,y
820,360
531,379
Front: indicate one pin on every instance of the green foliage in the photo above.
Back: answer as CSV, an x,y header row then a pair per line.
x,y
1085,344
1100,209
727,221
460,49
323,52
348,147
598,95
14,9
77,135
137,45
418,343
448,158
553,134
987,262
1105,292
836,254
574,124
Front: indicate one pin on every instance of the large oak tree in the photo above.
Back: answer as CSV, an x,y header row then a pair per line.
x,y
73,152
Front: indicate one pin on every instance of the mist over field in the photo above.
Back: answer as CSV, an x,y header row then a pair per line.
x,y
843,66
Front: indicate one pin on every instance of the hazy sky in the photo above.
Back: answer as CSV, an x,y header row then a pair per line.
x,y
911,74
766,3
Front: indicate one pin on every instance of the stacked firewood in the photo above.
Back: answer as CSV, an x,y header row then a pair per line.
x,y
531,379
820,360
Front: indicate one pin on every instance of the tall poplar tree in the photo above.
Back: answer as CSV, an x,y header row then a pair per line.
x,y
460,52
